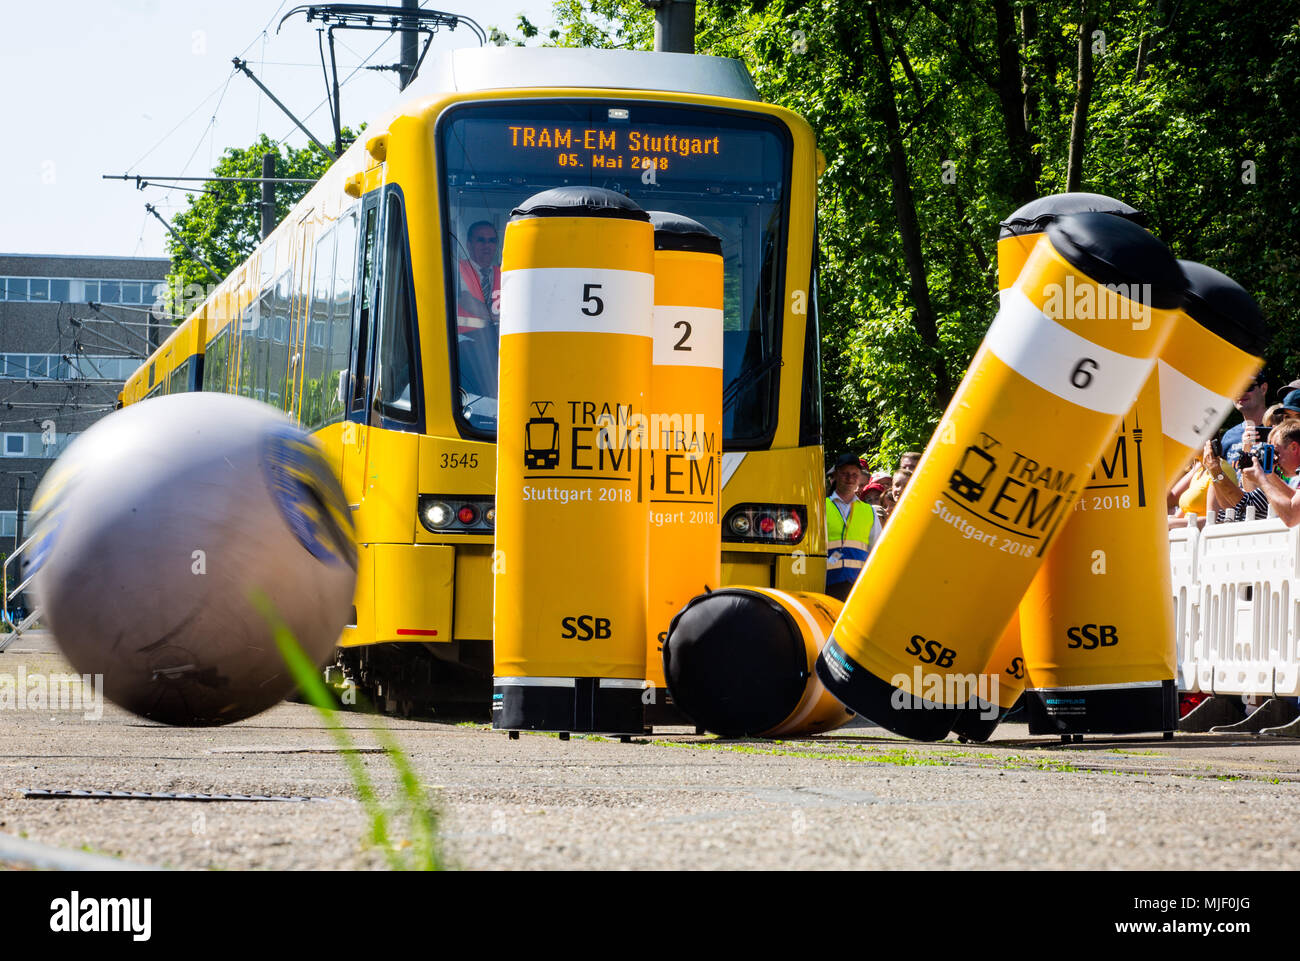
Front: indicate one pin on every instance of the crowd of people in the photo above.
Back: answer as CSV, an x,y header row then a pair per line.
x,y
857,509
1253,470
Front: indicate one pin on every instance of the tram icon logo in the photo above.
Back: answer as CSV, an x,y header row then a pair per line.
x,y
971,474
541,439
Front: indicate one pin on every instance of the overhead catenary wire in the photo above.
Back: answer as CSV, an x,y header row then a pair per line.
x,y
211,125
220,87
342,83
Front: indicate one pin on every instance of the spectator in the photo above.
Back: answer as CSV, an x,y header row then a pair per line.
x,y
1252,406
1279,488
909,461
866,476
1287,388
899,483
1224,495
871,493
1190,492
851,529
1288,409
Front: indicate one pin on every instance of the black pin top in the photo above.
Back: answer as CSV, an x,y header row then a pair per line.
x,y
1223,306
1115,251
579,202
675,232
1034,216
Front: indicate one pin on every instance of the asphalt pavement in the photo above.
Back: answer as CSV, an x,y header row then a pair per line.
x,y
856,798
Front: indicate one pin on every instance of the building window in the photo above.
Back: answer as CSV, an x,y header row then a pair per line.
x,y
15,445
76,290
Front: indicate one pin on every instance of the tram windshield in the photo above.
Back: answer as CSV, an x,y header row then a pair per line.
x,y
725,169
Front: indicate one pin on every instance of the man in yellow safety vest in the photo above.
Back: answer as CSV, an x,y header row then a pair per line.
x,y
851,528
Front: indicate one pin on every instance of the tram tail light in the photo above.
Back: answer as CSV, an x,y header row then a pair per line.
x,y
765,523
457,515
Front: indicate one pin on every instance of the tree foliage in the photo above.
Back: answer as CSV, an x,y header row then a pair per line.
x,y
1190,112
223,222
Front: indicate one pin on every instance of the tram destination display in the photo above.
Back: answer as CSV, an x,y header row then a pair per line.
x,y
565,144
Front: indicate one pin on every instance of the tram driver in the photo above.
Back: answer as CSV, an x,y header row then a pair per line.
x,y
478,300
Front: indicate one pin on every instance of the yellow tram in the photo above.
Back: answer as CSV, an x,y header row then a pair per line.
x,y
369,316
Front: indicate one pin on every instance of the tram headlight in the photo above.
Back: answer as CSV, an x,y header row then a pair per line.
x,y
437,515
442,514
777,524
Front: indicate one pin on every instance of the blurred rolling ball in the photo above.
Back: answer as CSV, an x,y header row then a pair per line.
x,y
158,527
739,662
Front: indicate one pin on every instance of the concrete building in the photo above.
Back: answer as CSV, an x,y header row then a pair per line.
x,y
62,360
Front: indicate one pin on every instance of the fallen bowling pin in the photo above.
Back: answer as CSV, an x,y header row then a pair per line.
x,y
739,662
1074,341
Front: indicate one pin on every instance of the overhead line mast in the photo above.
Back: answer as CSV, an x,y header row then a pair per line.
x,y
408,18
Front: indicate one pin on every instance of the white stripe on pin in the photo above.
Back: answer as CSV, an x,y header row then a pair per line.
x,y
576,300
688,336
1060,361
1189,412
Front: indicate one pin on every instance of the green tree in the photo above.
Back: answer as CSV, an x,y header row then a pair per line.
x,y
939,119
223,222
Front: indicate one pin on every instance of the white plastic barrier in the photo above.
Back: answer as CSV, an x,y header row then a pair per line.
x,y
1183,543
1239,614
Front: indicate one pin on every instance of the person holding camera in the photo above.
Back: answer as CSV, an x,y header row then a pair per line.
x,y
1224,495
1251,405
1278,481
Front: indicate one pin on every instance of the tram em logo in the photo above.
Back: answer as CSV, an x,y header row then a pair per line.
x,y
541,439
1015,490
971,474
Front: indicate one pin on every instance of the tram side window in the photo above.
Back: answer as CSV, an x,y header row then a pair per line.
x,y
179,381
262,347
277,375
394,388
248,325
318,319
216,362
338,339
359,388
810,409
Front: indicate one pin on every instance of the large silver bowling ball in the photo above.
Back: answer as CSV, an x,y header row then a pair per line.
x,y
157,531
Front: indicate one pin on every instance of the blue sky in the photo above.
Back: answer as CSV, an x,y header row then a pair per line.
x,y
90,87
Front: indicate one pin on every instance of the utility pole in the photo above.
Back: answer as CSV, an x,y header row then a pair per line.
x,y
268,194
242,66
18,519
674,25
410,42
216,277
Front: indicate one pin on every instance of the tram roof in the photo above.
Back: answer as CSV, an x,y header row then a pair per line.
x,y
497,68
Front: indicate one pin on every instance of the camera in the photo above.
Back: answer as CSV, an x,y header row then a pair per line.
x,y
1265,454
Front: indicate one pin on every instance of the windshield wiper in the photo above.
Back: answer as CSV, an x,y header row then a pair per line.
x,y
731,393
